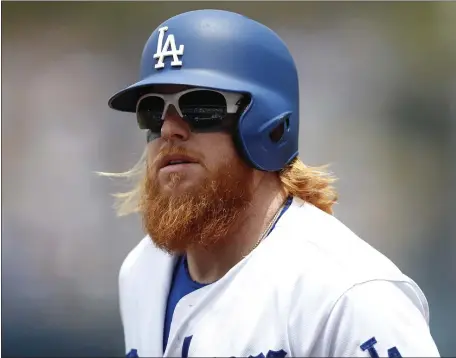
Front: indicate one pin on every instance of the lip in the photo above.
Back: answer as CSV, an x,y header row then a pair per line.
x,y
176,167
164,162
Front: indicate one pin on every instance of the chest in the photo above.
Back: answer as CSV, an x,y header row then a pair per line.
x,y
217,323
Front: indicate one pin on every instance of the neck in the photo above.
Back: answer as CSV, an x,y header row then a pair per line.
x,y
209,266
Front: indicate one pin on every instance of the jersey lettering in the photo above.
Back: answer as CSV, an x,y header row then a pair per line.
x,y
132,354
167,49
270,354
369,346
186,346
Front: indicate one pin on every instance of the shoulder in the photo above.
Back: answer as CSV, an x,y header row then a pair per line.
x,y
377,300
347,292
144,274
134,257
322,259
319,244
140,262
145,269
380,316
128,280
131,272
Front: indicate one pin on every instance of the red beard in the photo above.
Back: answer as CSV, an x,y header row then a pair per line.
x,y
202,216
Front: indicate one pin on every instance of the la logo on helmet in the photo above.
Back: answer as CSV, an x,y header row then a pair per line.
x,y
167,49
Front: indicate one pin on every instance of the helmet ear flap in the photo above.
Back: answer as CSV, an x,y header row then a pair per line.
x,y
272,135
244,105
239,145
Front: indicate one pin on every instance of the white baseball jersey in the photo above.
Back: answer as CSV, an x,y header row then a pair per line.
x,y
311,288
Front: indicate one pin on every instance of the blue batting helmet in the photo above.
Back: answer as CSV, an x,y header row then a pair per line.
x,y
226,51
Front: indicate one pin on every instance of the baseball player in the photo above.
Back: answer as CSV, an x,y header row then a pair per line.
x,y
243,257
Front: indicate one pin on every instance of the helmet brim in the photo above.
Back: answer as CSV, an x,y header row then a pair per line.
x,y
126,99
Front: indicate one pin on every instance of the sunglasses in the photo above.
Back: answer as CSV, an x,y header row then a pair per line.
x,y
204,110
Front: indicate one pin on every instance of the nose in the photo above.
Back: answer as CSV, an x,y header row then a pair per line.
x,y
174,127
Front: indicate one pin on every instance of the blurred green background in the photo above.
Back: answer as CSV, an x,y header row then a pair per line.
x,y
378,102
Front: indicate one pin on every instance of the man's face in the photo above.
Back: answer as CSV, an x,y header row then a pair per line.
x,y
196,186
180,161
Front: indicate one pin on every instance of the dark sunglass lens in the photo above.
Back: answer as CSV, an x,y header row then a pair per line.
x,y
204,109
149,113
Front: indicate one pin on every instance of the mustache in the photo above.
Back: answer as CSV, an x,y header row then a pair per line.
x,y
177,150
